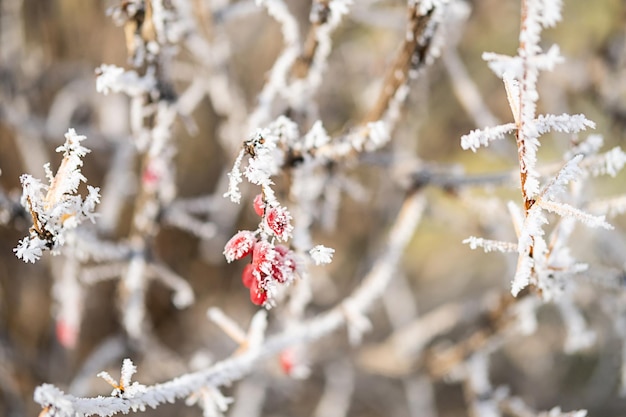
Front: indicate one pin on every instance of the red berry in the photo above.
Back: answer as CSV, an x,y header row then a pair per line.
x,y
278,274
259,205
67,334
150,177
284,266
282,250
246,276
240,245
278,220
280,269
287,361
262,257
287,257
258,295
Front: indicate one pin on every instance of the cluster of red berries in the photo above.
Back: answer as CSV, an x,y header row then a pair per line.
x,y
271,264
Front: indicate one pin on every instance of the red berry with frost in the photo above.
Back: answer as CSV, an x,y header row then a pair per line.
x,y
247,276
278,220
278,273
258,295
282,250
259,205
240,245
263,256
283,264
287,257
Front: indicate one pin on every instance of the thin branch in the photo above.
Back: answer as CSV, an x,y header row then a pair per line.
x,y
411,57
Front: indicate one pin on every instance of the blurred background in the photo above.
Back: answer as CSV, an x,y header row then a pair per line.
x,y
48,53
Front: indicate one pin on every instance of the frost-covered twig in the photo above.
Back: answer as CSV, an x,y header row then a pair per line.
x,y
152,30
520,74
277,79
490,245
56,209
308,69
415,53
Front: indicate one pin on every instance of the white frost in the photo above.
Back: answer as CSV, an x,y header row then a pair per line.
x,y
321,254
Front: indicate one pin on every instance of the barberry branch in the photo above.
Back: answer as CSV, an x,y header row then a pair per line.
x,y
58,404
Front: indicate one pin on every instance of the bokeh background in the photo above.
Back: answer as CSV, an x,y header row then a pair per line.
x,y
49,50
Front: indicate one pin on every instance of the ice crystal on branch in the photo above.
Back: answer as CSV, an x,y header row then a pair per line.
x,y
56,208
115,79
321,254
569,172
234,179
124,388
566,123
30,249
211,400
565,210
490,245
316,137
482,137
589,146
608,163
